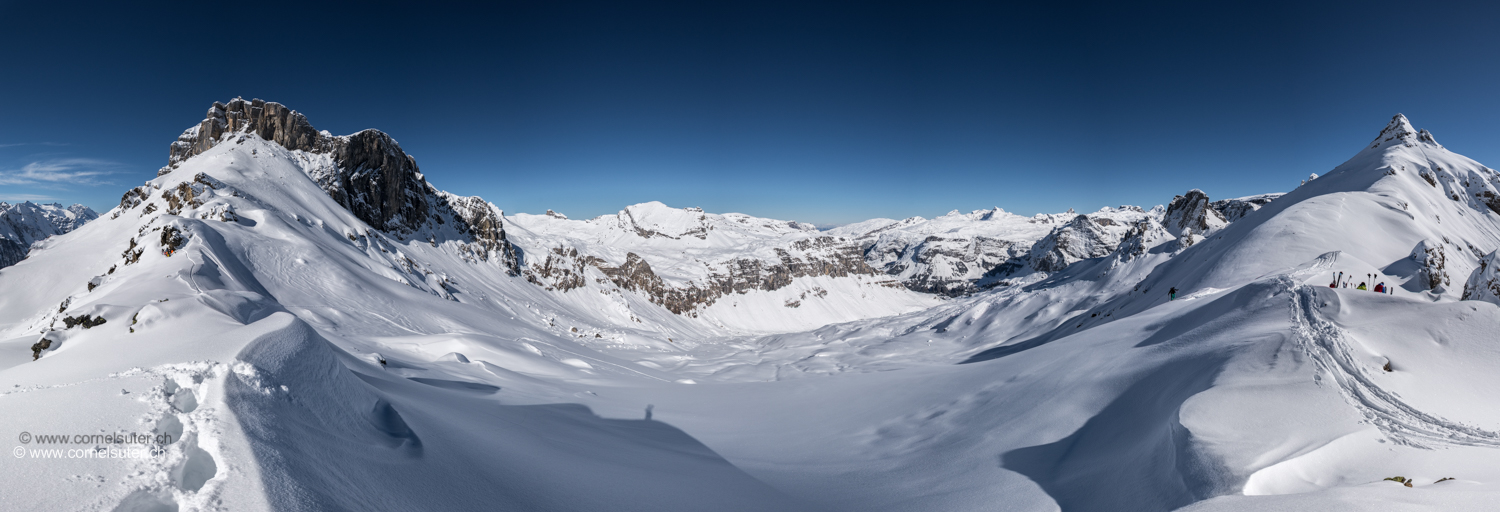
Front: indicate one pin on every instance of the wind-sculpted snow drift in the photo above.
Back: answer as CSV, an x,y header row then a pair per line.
x,y
316,327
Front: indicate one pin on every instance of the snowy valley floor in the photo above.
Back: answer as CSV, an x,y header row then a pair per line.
x,y
1266,396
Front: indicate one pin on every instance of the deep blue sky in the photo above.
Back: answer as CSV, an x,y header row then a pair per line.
x,y
828,113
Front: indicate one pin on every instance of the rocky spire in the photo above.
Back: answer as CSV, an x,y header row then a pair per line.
x,y
270,120
1400,129
1194,214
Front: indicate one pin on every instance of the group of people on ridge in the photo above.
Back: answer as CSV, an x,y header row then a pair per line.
x,y
1342,281
1339,281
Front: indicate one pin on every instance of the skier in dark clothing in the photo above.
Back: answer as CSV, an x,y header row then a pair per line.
x,y
1380,288
1172,293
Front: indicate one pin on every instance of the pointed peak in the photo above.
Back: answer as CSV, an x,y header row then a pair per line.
x,y
1398,126
1400,129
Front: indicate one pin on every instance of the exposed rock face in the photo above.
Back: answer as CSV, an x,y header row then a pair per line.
x,y
371,177
565,270
172,239
1433,265
1192,214
1484,282
11,253
562,270
1237,208
378,182
682,258
484,223
41,345
85,321
26,223
268,120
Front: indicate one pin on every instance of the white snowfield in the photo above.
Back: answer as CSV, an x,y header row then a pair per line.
x,y
299,360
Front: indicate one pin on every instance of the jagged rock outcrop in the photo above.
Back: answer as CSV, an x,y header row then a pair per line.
x,y
41,345
26,223
1432,264
370,176
11,253
1237,208
378,182
1484,282
1192,214
566,269
268,120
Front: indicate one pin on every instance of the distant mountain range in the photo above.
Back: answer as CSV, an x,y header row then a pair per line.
x,y
26,223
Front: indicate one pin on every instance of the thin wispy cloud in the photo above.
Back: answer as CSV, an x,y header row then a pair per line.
x,y
62,171
21,198
19,144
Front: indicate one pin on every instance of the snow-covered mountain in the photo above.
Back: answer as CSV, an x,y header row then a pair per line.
x,y
26,223
960,253
731,271
313,326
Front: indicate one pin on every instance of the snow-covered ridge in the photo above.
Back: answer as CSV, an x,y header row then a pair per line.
x,y
26,223
305,358
1400,131
674,256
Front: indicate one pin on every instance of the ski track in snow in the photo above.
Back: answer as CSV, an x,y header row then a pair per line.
x,y
1331,347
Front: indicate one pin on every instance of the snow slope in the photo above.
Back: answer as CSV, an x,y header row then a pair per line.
x,y
302,359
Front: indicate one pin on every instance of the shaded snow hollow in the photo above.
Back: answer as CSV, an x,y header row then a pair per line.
x,y
300,359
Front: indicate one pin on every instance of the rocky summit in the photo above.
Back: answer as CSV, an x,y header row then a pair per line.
x,y
366,172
